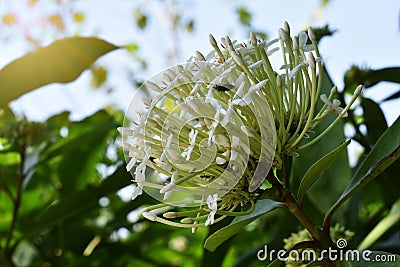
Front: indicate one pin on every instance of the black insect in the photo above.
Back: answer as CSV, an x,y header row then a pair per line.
x,y
223,88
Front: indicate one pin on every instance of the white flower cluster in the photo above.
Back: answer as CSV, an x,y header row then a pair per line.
x,y
214,127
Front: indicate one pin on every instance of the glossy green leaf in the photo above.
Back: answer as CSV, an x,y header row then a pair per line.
x,y
262,206
61,62
373,259
391,219
318,168
383,154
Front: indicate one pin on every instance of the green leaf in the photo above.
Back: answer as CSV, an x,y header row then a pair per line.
x,y
373,259
369,77
318,168
392,96
262,206
99,76
62,62
245,16
140,18
382,155
374,119
391,219
74,203
9,158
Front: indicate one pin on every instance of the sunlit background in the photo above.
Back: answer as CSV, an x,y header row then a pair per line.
x,y
160,34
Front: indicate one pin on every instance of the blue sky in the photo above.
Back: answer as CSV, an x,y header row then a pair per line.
x,y
368,35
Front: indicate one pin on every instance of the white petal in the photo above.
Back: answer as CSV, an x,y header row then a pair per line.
x,y
167,188
303,37
294,71
130,164
308,48
220,161
227,116
325,100
256,64
153,86
336,102
272,51
196,88
273,41
167,195
209,221
136,192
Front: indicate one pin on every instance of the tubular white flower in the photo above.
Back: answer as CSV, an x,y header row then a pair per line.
x,y
334,105
214,124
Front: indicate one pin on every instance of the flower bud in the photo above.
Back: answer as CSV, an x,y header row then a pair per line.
x,y
212,40
311,61
286,27
200,56
253,38
283,34
169,215
149,216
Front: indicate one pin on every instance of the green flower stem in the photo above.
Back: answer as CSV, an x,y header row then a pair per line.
x,y
18,198
316,139
295,207
311,111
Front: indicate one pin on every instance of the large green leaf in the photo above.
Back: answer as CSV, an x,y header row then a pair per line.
x,y
61,62
374,119
262,206
318,168
391,219
382,155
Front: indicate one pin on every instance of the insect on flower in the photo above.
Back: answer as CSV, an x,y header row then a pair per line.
x,y
224,88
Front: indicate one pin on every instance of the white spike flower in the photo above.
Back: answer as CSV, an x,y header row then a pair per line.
x,y
211,130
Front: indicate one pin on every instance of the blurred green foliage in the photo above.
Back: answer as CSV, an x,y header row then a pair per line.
x,y
61,180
